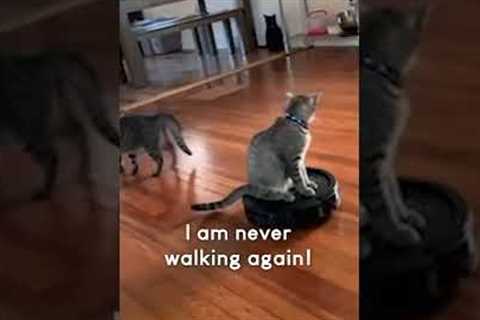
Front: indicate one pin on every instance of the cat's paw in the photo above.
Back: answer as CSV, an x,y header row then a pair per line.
x,y
404,235
415,219
289,197
308,192
312,184
391,231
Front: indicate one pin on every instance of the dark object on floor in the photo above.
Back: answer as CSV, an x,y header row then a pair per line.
x,y
273,34
303,212
398,283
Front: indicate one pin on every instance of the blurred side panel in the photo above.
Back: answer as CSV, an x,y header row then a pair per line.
x,y
59,255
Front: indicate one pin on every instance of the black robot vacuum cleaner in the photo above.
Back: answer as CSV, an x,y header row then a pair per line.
x,y
394,282
304,212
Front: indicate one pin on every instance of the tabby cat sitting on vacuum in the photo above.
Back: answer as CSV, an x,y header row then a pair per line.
x,y
47,98
276,157
149,132
389,39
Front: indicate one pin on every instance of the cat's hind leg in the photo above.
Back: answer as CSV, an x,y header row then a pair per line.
x,y
133,160
272,194
157,156
166,144
267,176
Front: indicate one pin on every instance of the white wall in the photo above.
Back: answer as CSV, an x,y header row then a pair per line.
x,y
190,7
294,13
176,10
220,35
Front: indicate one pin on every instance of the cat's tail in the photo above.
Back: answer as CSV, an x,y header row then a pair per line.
x,y
233,197
174,127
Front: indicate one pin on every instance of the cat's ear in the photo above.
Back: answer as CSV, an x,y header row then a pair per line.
x,y
315,97
289,96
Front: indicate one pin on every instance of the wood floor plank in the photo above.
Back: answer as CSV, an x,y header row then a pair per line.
x,y
154,211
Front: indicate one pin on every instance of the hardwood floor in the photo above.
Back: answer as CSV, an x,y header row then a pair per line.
x,y
155,210
176,71
441,141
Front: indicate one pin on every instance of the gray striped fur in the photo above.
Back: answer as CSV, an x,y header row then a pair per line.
x,y
149,132
389,37
276,158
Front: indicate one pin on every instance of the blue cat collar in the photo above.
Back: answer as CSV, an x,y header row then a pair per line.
x,y
294,119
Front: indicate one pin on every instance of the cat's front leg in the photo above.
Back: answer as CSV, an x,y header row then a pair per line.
x,y
381,212
386,225
405,234
310,183
298,177
406,214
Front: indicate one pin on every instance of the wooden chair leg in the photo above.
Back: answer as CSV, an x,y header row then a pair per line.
x,y
229,32
211,36
198,41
